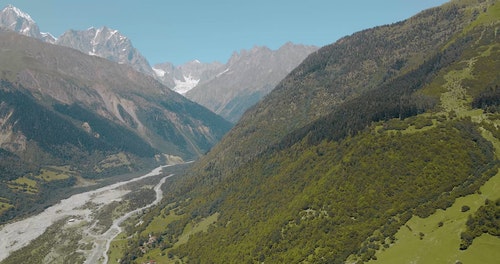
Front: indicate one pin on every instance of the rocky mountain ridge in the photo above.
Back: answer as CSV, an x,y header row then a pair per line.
x,y
247,77
226,89
103,42
106,43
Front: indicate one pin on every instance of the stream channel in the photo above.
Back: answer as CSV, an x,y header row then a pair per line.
x,y
79,209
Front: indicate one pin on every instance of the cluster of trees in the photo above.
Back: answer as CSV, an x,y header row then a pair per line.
x,y
27,203
165,239
488,100
486,220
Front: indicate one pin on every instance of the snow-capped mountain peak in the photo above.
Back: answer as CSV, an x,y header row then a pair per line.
x,y
16,20
107,43
103,42
185,85
47,37
18,13
159,72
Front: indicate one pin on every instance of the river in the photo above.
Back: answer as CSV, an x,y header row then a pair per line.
x,y
16,235
103,241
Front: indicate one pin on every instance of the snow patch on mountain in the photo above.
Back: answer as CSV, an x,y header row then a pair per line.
x,y
183,86
218,75
159,72
47,37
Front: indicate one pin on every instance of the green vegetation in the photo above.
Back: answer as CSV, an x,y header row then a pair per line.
x,y
112,161
352,189
381,147
443,242
4,205
56,173
352,149
194,228
162,253
158,223
444,239
111,135
117,247
486,220
24,184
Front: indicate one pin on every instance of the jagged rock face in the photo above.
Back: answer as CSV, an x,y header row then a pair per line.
x,y
106,43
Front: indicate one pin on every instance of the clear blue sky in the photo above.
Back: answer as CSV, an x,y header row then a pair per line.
x,y
178,31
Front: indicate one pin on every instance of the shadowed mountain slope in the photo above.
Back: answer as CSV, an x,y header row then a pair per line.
x,y
60,107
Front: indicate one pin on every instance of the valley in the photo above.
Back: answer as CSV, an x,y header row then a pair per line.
x,y
385,127
83,224
382,147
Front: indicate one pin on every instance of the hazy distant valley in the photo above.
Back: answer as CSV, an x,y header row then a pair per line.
x,y
382,147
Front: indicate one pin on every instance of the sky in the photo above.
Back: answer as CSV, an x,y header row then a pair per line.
x,y
179,31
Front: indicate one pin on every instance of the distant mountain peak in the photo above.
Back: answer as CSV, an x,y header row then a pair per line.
x,y
47,37
18,12
107,43
103,42
16,20
246,77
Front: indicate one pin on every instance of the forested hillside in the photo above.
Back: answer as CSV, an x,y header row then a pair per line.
x,y
364,140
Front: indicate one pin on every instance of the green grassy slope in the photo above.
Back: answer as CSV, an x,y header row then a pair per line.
x,y
437,238
373,176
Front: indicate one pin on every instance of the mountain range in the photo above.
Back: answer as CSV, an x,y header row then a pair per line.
x,y
86,117
381,147
230,89
246,78
103,42
226,89
106,43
